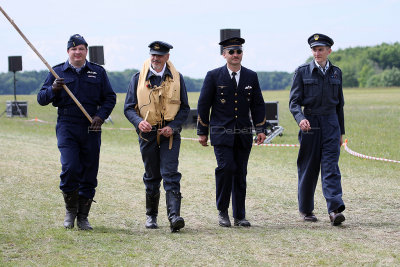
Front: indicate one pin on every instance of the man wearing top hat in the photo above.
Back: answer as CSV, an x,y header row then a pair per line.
x,y
157,105
78,145
232,92
317,87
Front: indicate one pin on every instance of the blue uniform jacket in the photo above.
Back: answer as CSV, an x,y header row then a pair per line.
x,y
319,94
229,108
131,102
91,87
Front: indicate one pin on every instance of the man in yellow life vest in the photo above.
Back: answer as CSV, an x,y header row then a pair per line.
x,y
157,105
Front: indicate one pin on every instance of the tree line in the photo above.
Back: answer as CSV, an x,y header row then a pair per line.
x,y
376,66
30,82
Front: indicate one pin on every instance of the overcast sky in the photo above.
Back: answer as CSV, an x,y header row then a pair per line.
x,y
276,31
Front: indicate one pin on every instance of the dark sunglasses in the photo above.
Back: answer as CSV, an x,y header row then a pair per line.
x,y
231,52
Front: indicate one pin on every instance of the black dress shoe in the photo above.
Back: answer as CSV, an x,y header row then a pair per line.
x,y
308,217
223,218
243,222
336,218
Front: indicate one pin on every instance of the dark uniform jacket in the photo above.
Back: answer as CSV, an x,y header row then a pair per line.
x,y
91,87
131,101
319,94
229,108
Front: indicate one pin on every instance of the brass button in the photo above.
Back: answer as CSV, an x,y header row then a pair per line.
x,y
235,108
222,93
235,101
235,94
236,116
249,93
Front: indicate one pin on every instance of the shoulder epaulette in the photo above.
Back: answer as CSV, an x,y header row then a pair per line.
x,y
304,65
59,65
97,65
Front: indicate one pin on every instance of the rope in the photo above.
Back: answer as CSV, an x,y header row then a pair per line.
x,y
346,148
351,152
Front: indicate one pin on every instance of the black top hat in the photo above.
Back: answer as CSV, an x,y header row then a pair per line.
x,y
159,48
232,43
76,40
319,39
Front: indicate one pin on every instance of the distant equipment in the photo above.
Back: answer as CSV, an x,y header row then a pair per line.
x,y
191,121
272,112
15,63
15,108
96,54
228,33
272,116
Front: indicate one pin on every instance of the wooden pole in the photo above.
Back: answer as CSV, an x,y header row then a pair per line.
x,y
48,66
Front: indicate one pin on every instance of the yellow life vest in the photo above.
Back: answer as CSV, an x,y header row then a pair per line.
x,y
162,102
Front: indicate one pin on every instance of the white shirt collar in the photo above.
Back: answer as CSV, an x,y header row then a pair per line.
x,y
237,74
161,73
322,69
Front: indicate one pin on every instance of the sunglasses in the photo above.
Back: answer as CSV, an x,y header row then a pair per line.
x,y
238,51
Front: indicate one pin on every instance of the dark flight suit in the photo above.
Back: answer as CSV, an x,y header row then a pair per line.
x,y
230,130
79,148
159,161
322,98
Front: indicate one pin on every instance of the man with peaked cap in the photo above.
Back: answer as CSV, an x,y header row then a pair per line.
x,y
157,105
231,91
317,87
78,140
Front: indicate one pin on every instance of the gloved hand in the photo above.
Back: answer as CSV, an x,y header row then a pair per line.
x,y
96,123
57,85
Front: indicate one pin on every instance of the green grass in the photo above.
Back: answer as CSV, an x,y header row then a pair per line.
x,y
32,209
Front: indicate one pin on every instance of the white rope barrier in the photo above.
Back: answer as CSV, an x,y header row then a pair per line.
x,y
346,148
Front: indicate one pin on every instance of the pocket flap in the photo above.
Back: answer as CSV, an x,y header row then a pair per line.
x,y
310,81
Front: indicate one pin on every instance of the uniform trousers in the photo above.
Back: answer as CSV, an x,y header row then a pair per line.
x,y
320,150
230,177
160,162
80,152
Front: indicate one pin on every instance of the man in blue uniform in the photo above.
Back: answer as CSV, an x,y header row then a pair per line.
x,y
231,91
157,105
317,87
78,140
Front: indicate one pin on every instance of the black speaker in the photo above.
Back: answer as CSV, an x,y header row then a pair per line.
x,y
272,112
228,33
96,54
15,63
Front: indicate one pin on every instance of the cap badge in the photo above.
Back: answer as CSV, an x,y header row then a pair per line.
x,y
156,47
223,101
316,37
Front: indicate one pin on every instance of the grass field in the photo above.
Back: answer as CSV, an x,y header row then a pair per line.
x,y
32,209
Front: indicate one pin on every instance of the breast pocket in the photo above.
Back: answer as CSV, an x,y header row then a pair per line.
x,y
92,87
335,83
310,87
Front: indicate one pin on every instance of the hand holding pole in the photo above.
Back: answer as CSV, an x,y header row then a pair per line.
x,y
48,66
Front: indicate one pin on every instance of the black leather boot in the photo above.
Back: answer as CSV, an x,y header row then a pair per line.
x,y
83,213
173,200
71,208
152,210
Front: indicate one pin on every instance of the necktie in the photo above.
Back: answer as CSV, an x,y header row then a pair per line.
x,y
234,80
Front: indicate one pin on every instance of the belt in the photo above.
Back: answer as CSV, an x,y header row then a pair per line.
x,y
309,111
